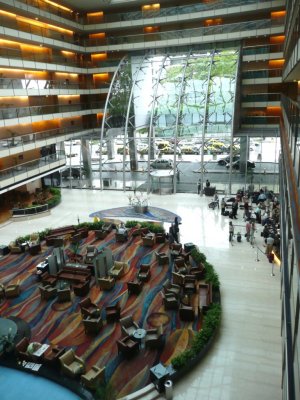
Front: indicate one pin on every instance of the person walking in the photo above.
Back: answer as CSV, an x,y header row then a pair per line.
x,y
231,231
216,200
270,243
199,186
252,232
248,230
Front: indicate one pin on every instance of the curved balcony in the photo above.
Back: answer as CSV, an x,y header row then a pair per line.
x,y
41,5
47,32
48,84
265,73
16,144
20,112
171,11
22,172
185,33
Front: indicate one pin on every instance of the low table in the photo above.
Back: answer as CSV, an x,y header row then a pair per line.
x,y
41,350
159,374
139,335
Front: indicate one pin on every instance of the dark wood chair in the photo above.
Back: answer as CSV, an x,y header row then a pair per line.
x,y
51,356
170,301
144,272
113,312
135,287
171,288
186,313
92,324
189,286
154,338
162,258
81,288
127,346
128,326
89,309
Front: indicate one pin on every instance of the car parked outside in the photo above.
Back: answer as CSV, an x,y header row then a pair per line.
x,y
161,163
236,165
226,160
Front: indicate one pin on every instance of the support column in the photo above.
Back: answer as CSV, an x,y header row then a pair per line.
x,y
86,160
244,154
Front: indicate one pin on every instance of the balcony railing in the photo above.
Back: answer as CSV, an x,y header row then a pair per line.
x,y
261,120
31,168
51,9
186,33
261,97
12,23
17,142
263,49
271,73
171,11
19,112
43,84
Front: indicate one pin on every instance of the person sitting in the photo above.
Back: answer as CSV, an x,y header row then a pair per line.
x,y
122,229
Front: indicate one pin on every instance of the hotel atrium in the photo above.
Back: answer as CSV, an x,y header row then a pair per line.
x,y
102,95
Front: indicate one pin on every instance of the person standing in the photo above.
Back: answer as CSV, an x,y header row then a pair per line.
x,y
235,207
231,231
223,206
270,243
216,200
199,186
207,183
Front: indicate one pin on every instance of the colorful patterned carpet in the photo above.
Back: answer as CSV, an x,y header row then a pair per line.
x,y
62,324
153,214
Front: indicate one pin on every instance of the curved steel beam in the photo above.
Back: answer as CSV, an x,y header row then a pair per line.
x,y
150,134
104,116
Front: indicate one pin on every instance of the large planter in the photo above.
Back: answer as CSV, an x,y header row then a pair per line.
x,y
140,209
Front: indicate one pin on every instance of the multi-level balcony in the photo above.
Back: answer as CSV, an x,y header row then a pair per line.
x,y
264,76
262,52
18,144
46,112
24,172
261,100
226,32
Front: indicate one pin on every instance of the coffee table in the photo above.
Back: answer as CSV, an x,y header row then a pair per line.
x,y
139,335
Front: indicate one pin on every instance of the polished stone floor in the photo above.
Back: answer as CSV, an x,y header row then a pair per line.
x,y
245,361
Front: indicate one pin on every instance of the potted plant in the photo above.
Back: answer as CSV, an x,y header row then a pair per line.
x,y
7,342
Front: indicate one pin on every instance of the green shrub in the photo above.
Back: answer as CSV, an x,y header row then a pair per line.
x,y
211,276
211,321
197,256
155,228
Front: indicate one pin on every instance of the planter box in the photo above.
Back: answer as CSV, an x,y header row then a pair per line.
x,y
140,209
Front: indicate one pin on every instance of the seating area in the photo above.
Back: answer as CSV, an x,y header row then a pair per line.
x,y
107,309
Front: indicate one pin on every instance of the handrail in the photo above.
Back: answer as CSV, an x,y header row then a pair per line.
x,y
186,33
30,165
44,84
14,141
51,8
19,112
171,11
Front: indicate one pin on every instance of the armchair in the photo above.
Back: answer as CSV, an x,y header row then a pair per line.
x,y
135,286
148,240
162,258
13,290
171,288
128,326
64,295
144,272
118,269
175,249
178,279
186,313
47,292
48,279
154,337
92,324
121,235
2,291
91,252
51,356
89,309
180,266
21,349
14,248
71,364
127,346
197,271
160,237
113,312
34,249
106,283
82,288
170,301
100,234
93,377
189,284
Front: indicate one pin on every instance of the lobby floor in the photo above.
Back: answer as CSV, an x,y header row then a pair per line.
x,y
245,360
